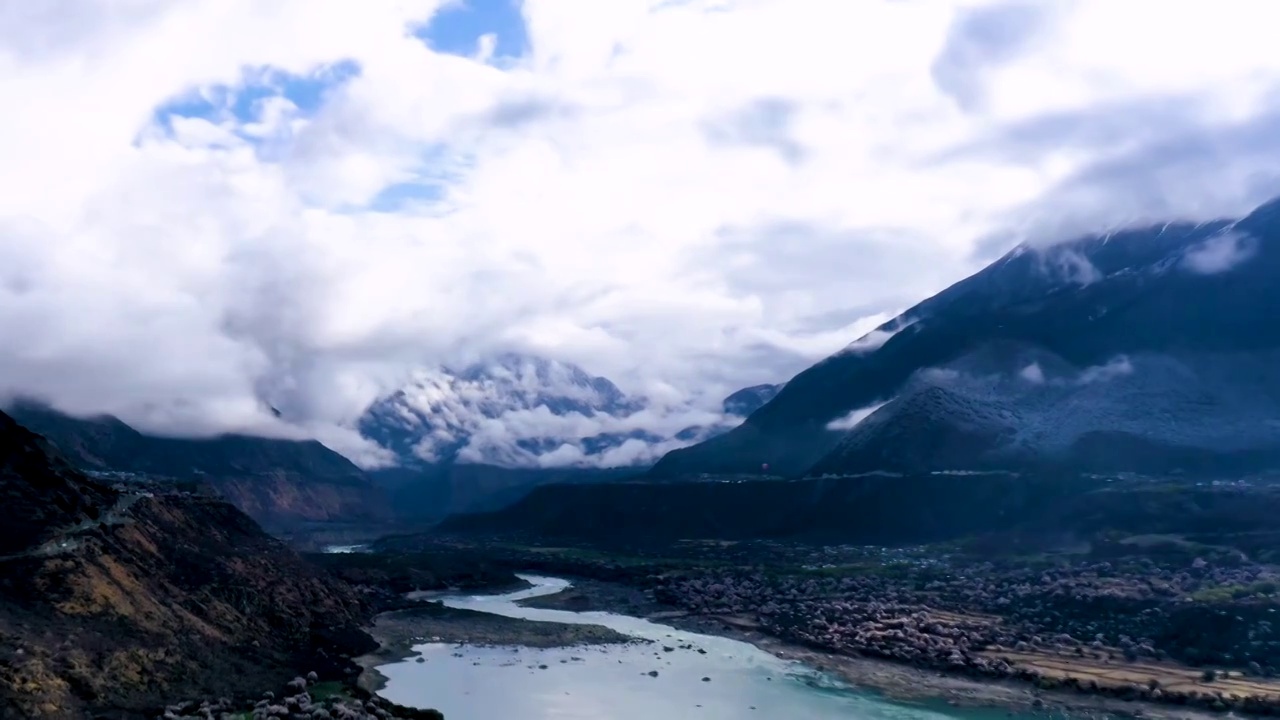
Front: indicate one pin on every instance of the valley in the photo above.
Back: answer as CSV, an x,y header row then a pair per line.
x,y
1113,623
156,601
1031,493
1066,594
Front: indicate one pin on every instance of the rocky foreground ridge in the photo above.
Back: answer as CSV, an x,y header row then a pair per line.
x,y
302,698
114,603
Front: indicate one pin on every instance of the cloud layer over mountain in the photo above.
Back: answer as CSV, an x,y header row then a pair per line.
x,y
209,208
520,411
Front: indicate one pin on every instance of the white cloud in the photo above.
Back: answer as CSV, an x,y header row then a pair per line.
x,y
1114,368
677,196
876,338
1220,253
854,418
1069,265
939,376
496,440
1032,374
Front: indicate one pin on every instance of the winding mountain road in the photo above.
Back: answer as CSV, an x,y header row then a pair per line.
x,y
64,540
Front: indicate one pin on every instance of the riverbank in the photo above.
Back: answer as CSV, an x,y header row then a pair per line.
x,y
894,681
398,631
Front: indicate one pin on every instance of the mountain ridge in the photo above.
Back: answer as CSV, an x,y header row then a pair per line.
x,y
277,482
1175,290
742,403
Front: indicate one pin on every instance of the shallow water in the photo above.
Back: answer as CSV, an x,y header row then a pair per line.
x,y
613,682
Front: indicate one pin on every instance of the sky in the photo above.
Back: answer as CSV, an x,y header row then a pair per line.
x,y
209,208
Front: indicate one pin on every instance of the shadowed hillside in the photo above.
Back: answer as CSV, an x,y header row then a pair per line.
x,y
125,600
277,482
856,510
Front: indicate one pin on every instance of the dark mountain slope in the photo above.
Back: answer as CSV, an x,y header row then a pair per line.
x,y
277,482
1004,512
949,425
45,499
1179,290
1151,413
116,602
872,510
433,492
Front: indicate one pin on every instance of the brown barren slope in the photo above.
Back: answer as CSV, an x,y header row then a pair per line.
x,y
111,604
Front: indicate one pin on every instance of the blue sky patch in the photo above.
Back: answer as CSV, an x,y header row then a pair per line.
x,y
396,197
242,101
438,167
457,28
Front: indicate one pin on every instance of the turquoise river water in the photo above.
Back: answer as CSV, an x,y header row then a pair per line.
x,y
614,682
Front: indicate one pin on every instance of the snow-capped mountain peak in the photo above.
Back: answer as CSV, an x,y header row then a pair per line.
x,y
521,411
538,404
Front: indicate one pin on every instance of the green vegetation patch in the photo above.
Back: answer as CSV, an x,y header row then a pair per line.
x,y
330,689
1227,593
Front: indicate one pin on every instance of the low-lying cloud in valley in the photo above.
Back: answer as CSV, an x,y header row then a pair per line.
x,y
211,208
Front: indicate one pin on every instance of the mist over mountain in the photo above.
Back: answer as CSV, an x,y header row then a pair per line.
x,y
521,411
277,482
1149,350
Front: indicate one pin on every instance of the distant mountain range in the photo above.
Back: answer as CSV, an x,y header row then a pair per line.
x,y
479,438
519,411
277,482
471,440
1154,350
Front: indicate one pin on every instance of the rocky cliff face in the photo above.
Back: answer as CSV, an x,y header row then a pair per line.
x,y
117,601
277,482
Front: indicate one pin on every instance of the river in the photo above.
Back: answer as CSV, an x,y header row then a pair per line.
x,y
614,682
